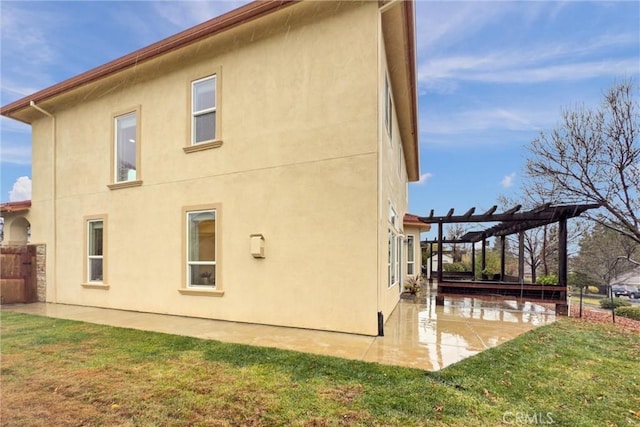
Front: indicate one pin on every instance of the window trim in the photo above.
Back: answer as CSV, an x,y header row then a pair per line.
x,y
184,288
86,283
216,142
114,185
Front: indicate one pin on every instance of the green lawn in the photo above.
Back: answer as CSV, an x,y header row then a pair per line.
x,y
59,372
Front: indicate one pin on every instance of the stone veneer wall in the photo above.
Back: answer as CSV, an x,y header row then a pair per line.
x,y
41,272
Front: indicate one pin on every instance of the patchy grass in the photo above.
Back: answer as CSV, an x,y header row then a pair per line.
x,y
587,300
59,372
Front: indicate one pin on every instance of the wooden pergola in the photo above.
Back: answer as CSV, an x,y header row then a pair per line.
x,y
509,222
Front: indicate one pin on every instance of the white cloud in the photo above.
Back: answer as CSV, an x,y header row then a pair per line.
x,y
486,119
449,53
15,154
425,177
507,181
21,189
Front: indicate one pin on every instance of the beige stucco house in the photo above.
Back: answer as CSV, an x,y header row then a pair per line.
x,y
253,168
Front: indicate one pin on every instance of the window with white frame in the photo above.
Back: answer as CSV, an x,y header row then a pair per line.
x,y
393,264
201,249
203,109
126,148
399,258
388,108
95,251
392,258
411,256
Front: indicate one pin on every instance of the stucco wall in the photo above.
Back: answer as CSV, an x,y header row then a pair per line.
x,y
298,164
392,192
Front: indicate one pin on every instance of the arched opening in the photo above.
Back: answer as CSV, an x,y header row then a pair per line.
x,y
20,231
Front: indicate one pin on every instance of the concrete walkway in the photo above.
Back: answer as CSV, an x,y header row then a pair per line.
x,y
423,336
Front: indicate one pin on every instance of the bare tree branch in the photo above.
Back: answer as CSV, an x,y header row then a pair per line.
x,y
594,157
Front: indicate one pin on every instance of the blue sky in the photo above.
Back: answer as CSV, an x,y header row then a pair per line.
x,y
491,76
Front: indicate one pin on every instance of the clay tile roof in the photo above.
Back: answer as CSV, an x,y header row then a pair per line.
x,y
23,205
413,221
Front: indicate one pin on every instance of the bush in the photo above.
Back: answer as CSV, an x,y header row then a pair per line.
x,y
454,266
593,289
617,302
412,284
551,279
629,312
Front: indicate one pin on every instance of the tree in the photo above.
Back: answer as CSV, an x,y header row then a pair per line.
x,y
455,232
603,254
594,157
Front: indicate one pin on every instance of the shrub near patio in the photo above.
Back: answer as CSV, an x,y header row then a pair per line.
x,y
59,372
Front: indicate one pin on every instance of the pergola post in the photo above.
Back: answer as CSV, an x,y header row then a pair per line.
x,y
484,253
430,268
473,261
440,248
502,257
521,257
562,252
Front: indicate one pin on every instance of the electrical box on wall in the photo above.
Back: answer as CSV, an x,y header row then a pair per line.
x,y
257,245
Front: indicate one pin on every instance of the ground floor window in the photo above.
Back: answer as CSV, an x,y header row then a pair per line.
x,y
411,256
395,256
201,248
95,241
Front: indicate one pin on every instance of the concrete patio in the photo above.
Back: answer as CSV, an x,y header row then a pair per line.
x,y
418,335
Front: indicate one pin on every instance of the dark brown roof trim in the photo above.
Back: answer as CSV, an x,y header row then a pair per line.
x,y
221,23
411,37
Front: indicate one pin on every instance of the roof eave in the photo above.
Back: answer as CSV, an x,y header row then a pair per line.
x,y
216,25
401,57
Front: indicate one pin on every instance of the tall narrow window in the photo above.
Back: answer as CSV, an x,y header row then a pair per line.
x,y
201,249
392,258
126,148
95,254
399,259
203,110
411,256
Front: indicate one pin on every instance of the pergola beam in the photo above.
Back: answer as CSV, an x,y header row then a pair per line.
x,y
545,212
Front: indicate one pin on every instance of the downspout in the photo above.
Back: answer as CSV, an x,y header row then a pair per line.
x,y
53,198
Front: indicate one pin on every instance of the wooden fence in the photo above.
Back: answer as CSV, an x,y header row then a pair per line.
x,y
22,274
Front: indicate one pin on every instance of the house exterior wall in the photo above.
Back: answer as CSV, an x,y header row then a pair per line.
x,y
299,164
393,193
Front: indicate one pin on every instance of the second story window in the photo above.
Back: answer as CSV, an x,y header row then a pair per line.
x,y
126,147
203,110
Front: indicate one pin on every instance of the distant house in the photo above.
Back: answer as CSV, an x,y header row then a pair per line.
x,y
253,168
432,266
15,228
